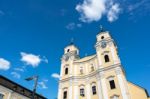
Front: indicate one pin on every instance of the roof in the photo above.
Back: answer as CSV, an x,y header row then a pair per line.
x,y
140,87
86,58
18,88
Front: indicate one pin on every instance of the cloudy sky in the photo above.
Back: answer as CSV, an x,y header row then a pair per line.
x,y
33,34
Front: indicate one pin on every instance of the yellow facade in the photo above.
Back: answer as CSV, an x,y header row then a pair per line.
x,y
99,76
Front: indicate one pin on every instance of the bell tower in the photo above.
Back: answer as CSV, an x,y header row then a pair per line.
x,y
71,53
106,49
112,73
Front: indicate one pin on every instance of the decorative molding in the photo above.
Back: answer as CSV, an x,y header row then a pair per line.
x,y
92,74
111,77
102,75
118,70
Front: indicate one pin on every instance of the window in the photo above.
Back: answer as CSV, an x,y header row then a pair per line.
x,y
81,70
1,96
66,71
82,92
112,84
102,37
68,50
106,58
65,95
94,90
92,67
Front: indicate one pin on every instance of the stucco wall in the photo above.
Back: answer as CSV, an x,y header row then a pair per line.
x,y
136,92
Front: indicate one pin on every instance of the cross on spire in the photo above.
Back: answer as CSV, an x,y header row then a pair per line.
x,y
71,41
101,28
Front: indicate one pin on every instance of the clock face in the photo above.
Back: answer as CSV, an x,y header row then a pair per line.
x,y
66,58
103,44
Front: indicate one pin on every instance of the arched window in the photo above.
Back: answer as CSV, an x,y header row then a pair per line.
x,y
106,57
66,71
1,96
68,50
65,95
82,92
94,90
111,82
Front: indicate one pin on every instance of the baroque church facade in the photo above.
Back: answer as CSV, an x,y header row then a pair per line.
x,y
99,76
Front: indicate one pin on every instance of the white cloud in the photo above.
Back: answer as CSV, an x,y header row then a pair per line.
x,y
72,26
42,84
93,10
31,59
113,13
79,25
55,75
19,69
4,64
15,75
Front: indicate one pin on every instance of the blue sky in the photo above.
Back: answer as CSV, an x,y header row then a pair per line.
x,y
33,34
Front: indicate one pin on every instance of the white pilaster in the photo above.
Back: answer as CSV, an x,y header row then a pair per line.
x,y
122,83
99,87
70,92
104,86
59,93
75,70
9,95
61,73
86,70
88,93
76,92
115,58
71,68
99,58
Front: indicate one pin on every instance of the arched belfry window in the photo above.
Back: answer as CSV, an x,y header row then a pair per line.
x,y
66,70
65,95
106,57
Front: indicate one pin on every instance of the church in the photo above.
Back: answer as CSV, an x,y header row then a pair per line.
x,y
99,76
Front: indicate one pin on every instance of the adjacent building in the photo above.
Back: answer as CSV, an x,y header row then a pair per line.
x,y
99,76
12,90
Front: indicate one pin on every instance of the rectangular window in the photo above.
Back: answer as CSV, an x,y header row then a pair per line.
x,y
82,92
1,96
65,95
94,90
112,84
